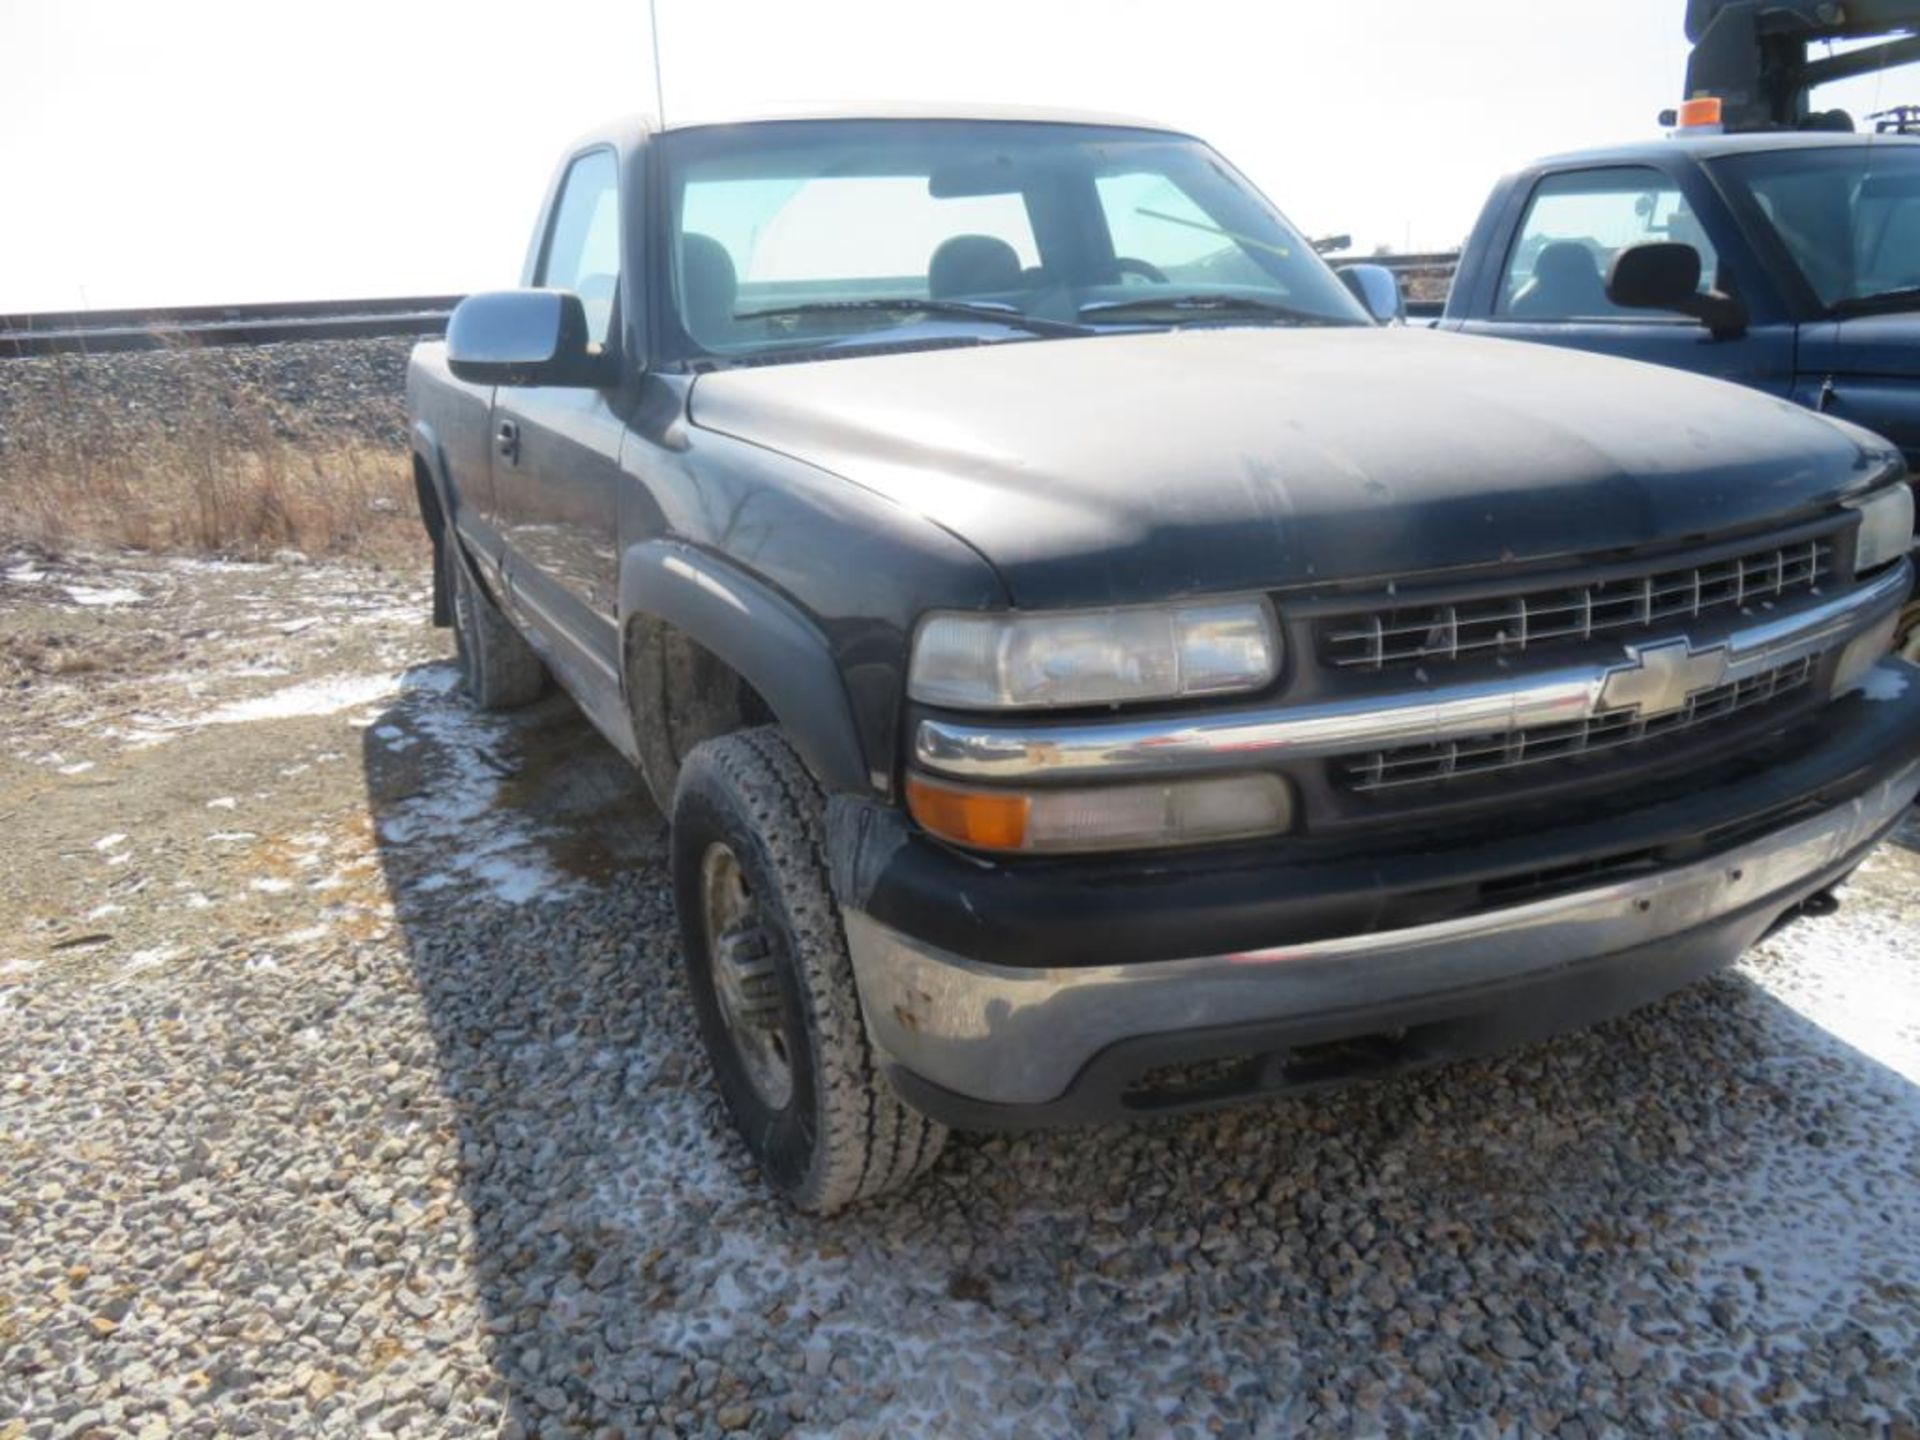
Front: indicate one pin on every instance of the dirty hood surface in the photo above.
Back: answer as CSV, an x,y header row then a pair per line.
x,y
1127,467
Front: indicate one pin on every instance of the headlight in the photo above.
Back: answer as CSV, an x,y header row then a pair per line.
x,y
1094,657
1886,527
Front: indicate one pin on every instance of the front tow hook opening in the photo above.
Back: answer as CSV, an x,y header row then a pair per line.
x,y
1815,907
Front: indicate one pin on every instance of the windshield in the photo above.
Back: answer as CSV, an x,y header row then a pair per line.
x,y
806,235
1849,217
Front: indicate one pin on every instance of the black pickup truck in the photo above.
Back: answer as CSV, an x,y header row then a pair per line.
x,y
1094,667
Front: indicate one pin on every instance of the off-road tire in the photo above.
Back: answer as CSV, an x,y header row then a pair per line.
x,y
499,668
842,1135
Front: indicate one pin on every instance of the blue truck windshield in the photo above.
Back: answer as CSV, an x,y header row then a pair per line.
x,y
809,234
1849,217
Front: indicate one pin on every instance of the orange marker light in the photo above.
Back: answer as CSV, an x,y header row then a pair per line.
x,y
982,819
1697,113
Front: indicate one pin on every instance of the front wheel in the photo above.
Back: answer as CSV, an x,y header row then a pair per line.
x,y
772,983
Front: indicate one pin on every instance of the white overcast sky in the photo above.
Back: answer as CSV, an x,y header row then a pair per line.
x,y
198,151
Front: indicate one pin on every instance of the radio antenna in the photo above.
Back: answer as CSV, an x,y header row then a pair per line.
x,y
659,90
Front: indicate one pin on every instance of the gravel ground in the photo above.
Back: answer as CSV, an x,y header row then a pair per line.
x,y
349,1089
330,391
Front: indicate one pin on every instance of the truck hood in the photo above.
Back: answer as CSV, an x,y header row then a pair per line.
x,y
1141,465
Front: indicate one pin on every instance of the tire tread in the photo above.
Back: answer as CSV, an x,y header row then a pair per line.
x,y
870,1141
501,669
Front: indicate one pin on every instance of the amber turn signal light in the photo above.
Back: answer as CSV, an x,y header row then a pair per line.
x,y
979,819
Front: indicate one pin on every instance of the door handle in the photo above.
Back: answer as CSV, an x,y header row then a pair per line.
x,y
507,438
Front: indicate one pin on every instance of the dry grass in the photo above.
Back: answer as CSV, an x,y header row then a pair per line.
x,y
209,468
214,497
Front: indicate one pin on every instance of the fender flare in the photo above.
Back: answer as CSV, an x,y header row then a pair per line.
x,y
763,637
439,519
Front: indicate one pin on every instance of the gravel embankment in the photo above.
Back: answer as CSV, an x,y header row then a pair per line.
x,y
327,391
349,1090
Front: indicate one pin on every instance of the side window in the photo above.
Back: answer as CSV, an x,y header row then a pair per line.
x,y
583,243
1575,225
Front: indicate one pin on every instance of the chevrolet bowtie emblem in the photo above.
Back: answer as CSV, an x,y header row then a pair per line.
x,y
1660,679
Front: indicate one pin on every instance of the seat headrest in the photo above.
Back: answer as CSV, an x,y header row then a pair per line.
x,y
972,265
1565,262
711,287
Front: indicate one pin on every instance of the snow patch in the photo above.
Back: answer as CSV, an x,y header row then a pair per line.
x,y
1833,1215
216,567
459,820
312,697
148,959
141,738
93,595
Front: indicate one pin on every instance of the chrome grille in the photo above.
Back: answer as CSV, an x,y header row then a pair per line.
x,y
1517,749
1510,624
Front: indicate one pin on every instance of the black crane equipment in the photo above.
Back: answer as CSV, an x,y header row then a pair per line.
x,y
1753,56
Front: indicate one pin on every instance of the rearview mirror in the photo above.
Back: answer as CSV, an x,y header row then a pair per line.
x,y
523,337
973,178
1665,275
1377,288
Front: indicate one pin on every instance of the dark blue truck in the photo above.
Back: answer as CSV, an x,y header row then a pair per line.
x,y
1763,242
1787,261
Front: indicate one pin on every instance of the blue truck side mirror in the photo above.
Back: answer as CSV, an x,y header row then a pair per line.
x,y
523,337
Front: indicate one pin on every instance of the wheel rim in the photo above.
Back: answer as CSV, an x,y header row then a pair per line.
x,y
740,959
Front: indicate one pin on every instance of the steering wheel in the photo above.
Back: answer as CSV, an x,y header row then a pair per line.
x,y
1152,274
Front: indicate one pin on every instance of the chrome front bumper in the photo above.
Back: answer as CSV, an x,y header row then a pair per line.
x,y
1019,1037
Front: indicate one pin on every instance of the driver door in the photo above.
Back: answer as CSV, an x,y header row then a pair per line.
x,y
1552,290
557,449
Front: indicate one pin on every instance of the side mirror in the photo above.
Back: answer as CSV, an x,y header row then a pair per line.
x,y
523,337
1377,288
1665,275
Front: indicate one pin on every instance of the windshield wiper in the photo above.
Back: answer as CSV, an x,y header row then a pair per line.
x,y
1204,307
972,310
1907,297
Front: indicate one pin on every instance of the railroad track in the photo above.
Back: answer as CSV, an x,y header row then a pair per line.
x,y
153,328
79,332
